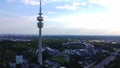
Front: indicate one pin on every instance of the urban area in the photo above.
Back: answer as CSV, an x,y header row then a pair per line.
x,y
21,51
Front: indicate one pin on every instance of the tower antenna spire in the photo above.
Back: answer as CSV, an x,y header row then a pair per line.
x,y
40,8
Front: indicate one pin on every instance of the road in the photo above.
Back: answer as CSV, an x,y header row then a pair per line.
x,y
30,66
107,60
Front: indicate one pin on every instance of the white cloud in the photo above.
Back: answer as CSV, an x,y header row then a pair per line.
x,y
48,1
91,23
30,2
70,25
77,31
68,7
53,1
86,24
20,25
7,13
107,22
111,4
83,4
49,12
74,6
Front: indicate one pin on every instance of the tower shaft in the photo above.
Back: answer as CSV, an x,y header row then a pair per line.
x,y
40,25
40,47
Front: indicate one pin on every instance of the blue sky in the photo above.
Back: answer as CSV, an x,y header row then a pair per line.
x,y
61,17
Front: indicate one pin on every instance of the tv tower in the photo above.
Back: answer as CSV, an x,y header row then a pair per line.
x,y
40,26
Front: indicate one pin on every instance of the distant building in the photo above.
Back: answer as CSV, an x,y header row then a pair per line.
x,y
51,64
52,52
19,59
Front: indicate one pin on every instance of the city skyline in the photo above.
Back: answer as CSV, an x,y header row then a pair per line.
x,y
62,17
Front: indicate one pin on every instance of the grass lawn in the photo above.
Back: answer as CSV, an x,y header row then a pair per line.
x,y
58,59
